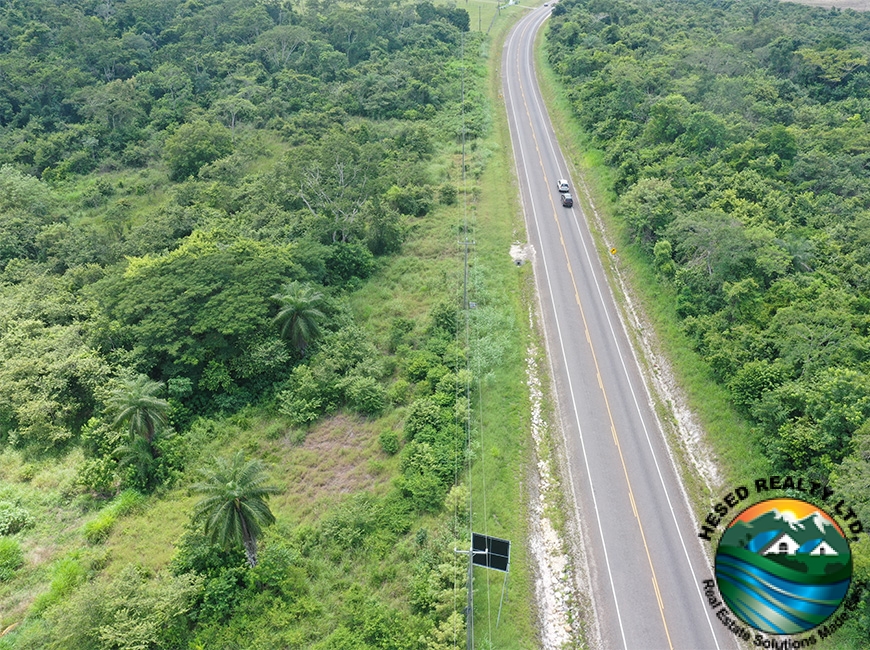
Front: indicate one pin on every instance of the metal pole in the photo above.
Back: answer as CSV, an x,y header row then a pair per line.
x,y
501,602
469,617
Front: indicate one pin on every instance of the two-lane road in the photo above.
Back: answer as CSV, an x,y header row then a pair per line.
x,y
646,563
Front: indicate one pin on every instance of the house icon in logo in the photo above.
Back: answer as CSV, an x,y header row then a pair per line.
x,y
823,549
782,544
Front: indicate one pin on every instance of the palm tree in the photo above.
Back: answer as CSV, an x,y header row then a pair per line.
x,y
138,455
299,316
233,508
135,404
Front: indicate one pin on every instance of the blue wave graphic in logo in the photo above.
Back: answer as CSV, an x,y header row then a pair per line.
x,y
772,603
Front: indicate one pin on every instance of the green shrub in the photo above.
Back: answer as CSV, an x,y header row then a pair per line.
x,y
447,194
457,501
350,523
348,260
13,518
399,391
366,395
98,475
444,635
424,416
445,317
400,328
420,483
389,442
385,230
222,594
97,530
11,558
415,201
303,403
447,390
433,586
194,145
456,504
435,374
278,567
753,379
27,472
455,356
133,610
419,364
98,438
424,491
196,554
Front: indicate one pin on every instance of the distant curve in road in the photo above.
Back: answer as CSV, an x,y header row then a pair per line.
x,y
645,561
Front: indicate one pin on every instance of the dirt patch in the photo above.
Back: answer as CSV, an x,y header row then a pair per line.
x,y
39,554
333,461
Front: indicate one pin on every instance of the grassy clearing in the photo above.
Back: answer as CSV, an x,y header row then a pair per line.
x,y
729,434
148,539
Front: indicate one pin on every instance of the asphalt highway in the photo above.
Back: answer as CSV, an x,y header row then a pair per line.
x,y
646,564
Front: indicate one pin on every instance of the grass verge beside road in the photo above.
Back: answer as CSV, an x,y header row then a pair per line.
x,y
499,338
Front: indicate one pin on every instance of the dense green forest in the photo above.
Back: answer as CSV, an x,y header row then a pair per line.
x,y
738,138
191,192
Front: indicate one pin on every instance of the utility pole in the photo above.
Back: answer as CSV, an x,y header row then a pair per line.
x,y
469,619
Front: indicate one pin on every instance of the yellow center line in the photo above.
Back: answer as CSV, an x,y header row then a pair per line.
x,y
597,369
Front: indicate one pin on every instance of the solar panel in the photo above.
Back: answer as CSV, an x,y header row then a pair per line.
x,y
490,552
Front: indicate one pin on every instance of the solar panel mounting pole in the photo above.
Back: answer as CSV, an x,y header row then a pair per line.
x,y
469,617
469,607
501,602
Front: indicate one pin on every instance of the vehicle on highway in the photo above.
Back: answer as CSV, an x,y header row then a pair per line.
x,y
567,200
562,184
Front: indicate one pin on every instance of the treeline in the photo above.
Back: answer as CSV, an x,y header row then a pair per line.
x,y
188,193
89,85
739,142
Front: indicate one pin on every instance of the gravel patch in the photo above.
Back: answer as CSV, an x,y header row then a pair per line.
x,y
556,582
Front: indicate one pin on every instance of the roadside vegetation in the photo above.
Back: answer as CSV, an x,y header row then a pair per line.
x,y
235,390
732,142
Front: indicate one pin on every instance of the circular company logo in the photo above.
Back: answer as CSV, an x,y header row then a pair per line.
x,y
783,566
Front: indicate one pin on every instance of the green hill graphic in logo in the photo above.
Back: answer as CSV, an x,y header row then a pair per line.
x,y
783,566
